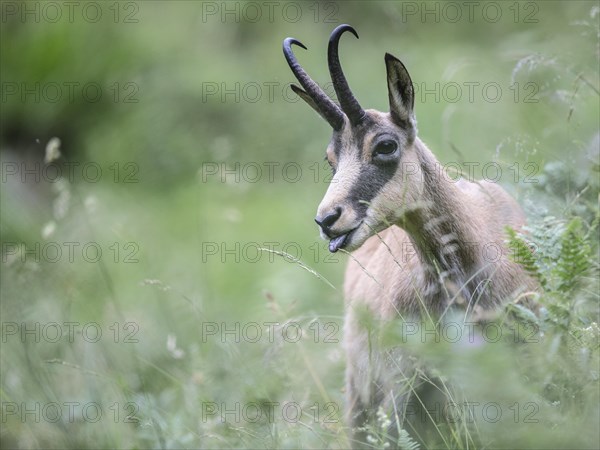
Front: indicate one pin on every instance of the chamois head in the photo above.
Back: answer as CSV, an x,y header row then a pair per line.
x,y
367,152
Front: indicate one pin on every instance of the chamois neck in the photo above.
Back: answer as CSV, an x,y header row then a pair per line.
x,y
439,223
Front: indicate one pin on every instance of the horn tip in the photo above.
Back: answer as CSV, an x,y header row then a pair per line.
x,y
289,41
345,27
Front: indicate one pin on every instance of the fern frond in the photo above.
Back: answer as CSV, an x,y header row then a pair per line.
x,y
574,261
523,254
405,442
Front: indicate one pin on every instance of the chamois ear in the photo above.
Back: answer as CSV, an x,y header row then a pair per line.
x,y
400,92
307,98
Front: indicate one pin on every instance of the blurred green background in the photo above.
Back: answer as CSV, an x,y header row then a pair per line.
x,y
165,111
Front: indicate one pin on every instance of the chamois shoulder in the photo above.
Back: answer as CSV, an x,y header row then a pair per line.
x,y
500,209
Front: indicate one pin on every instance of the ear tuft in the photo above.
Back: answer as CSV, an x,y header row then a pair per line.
x,y
400,91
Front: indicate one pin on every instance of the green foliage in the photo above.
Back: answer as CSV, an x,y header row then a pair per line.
x,y
574,262
562,262
565,261
522,253
378,434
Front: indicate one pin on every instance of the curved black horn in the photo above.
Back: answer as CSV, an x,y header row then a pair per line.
x,y
332,113
347,101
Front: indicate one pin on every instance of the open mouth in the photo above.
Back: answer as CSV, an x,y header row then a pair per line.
x,y
340,241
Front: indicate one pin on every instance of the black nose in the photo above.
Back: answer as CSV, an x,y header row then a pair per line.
x,y
327,222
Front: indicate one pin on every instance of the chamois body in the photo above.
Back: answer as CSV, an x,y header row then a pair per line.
x,y
429,260
422,244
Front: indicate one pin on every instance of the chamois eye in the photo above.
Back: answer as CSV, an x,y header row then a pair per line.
x,y
385,148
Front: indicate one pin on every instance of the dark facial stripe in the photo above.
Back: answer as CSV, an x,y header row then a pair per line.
x,y
372,177
370,181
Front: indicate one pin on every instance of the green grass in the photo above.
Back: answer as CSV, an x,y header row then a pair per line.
x,y
159,371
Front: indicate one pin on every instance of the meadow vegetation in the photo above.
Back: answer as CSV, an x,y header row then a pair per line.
x,y
194,254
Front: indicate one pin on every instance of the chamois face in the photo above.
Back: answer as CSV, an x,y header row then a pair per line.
x,y
369,152
375,174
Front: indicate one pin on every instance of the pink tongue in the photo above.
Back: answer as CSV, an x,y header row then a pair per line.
x,y
336,243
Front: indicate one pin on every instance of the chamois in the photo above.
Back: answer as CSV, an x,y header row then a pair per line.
x,y
386,198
